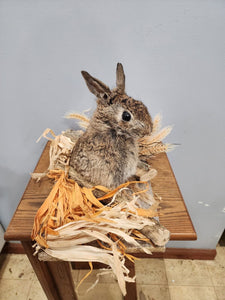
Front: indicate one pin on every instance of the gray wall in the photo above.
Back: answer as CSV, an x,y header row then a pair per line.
x,y
174,57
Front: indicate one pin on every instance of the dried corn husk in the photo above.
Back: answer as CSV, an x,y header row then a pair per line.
x,y
69,202
71,217
61,145
60,150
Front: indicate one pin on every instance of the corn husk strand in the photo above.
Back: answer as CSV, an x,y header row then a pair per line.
x,y
60,150
45,135
61,145
38,176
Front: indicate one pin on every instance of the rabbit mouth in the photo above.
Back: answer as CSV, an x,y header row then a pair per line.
x,y
140,129
132,133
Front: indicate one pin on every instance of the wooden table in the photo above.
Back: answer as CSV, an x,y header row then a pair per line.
x,y
55,277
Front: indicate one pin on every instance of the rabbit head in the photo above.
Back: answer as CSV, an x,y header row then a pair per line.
x,y
116,111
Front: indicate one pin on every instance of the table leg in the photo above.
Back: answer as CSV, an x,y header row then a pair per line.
x,y
55,277
131,286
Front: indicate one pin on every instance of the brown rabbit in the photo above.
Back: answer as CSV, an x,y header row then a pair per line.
x,y
107,153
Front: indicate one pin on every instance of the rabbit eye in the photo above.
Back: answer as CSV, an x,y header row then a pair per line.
x,y
126,116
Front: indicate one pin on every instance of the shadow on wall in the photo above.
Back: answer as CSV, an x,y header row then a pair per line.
x,y
12,186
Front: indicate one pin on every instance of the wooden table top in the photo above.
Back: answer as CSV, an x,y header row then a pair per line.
x,y
175,215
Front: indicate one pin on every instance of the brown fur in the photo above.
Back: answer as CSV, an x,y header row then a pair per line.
x,y
107,153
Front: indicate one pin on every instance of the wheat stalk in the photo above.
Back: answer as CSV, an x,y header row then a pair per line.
x,y
156,137
152,144
156,123
84,121
154,149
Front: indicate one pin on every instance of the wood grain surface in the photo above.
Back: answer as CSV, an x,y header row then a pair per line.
x,y
175,215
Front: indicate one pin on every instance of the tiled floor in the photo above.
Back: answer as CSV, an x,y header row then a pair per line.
x,y
157,279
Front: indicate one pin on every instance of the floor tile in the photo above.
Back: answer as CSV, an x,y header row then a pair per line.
x,y
16,266
153,292
75,274
220,292
220,255
216,267
150,271
187,279
14,289
187,272
192,293
105,278
101,291
36,292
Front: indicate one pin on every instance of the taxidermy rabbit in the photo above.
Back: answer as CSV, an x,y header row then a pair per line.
x,y
107,152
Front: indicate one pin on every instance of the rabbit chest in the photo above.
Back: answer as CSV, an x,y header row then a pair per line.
x,y
104,158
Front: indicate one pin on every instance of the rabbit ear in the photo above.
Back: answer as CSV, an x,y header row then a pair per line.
x,y
120,78
98,88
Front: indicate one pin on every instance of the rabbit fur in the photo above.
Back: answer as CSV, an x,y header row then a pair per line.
x,y
107,152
